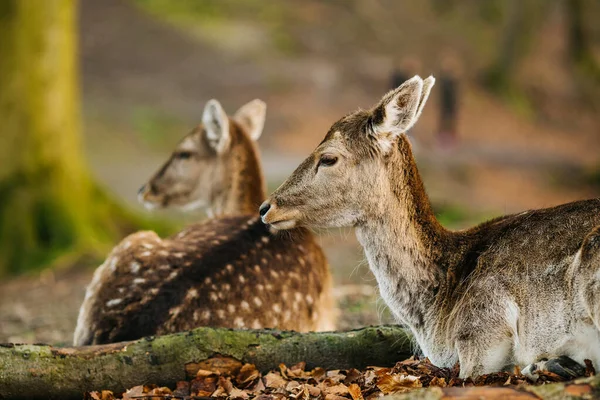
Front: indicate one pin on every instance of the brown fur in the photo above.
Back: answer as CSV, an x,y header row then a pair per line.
x,y
230,271
511,291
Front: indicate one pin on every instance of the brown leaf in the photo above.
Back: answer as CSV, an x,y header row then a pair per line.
x,y
273,380
291,385
236,393
589,368
313,390
334,397
355,392
283,370
103,395
247,375
338,389
318,373
396,383
134,391
217,364
201,386
182,389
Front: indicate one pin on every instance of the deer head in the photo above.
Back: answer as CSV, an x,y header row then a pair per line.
x,y
215,167
344,180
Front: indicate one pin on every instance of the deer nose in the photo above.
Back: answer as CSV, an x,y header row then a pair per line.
x,y
142,190
264,208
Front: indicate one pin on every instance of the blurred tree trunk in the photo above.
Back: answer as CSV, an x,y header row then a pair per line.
x,y
580,47
49,207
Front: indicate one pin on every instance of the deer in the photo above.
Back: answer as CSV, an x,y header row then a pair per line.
x,y
229,271
519,290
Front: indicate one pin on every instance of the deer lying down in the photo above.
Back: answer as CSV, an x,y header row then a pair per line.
x,y
512,291
230,271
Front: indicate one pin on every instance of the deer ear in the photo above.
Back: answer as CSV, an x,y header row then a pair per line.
x,y
216,125
400,109
251,116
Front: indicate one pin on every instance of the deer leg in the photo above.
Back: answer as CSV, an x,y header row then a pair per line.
x,y
563,366
484,353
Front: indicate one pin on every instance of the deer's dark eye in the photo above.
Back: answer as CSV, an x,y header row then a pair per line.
x,y
183,155
327,160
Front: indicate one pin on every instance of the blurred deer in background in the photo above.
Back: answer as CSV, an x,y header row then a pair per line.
x,y
512,291
229,271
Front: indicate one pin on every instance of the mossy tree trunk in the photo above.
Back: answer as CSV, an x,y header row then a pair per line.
x,y
45,372
49,207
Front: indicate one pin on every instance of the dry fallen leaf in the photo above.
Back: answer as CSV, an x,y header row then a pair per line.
x,y
247,375
273,380
396,383
355,392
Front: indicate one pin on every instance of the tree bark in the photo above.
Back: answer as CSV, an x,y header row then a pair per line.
x,y
588,388
44,372
50,209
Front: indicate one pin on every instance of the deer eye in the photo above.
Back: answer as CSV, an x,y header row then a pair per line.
x,y
183,155
327,160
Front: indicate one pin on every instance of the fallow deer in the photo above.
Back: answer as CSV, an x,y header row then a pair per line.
x,y
512,291
229,271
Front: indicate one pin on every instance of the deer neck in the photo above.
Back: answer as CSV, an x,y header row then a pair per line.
x,y
244,190
401,240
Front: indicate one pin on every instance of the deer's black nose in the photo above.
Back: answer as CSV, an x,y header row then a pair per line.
x,y
264,208
142,189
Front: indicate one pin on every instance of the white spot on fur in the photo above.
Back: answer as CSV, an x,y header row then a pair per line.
x,y
192,293
163,253
179,254
239,322
265,239
231,308
301,261
242,279
226,287
309,299
138,281
112,266
256,324
221,313
205,315
274,274
145,254
257,301
229,267
213,296
113,302
298,296
127,244
244,304
260,287
257,268
287,315
264,261
278,256
277,308
268,286
134,267
147,246
207,280
175,311
172,275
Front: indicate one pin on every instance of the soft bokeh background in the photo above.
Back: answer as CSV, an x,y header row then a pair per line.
x,y
527,80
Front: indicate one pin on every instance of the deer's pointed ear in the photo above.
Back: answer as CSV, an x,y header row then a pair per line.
x,y
251,116
400,109
216,125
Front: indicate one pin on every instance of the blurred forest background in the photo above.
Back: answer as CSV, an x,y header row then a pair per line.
x,y
95,94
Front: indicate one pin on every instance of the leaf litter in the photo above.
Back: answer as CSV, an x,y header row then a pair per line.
x,y
226,378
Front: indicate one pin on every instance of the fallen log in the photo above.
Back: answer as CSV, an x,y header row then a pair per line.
x,y
45,372
586,388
